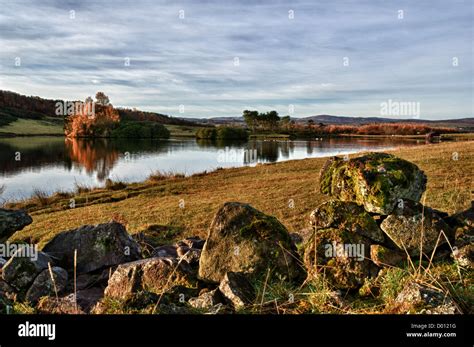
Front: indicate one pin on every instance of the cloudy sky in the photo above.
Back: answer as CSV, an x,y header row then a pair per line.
x,y
218,58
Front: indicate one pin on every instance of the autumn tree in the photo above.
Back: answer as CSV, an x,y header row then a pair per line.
x,y
102,99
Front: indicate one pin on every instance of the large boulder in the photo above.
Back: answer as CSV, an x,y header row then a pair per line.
x,y
376,180
47,283
343,257
414,227
155,275
98,246
346,215
243,239
11,221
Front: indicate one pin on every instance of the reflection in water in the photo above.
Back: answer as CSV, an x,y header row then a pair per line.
x,y
54,163
94,155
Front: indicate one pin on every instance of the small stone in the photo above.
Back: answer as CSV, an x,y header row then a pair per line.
x,y
166,251
418,298
207,299
192,242
237,289
464,255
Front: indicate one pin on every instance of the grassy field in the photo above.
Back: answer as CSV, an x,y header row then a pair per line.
x,y
182,130
177,206
47,126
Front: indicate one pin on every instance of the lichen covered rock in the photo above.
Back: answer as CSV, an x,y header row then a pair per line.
x,y
98,246
348,216
376,180
414,227
243,239
341,256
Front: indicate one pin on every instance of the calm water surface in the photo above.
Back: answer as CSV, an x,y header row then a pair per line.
x,y
53,163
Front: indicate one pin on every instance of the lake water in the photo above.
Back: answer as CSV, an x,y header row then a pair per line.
x,y
54,163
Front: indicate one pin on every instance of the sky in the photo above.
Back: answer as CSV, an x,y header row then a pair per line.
x,y
217,58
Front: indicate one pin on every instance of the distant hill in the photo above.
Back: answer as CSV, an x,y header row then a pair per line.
x,y
14,106
346,120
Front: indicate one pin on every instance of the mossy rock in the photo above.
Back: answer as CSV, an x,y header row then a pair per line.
x,y
348,216
414,227
342,257
243,239
98,246
376,180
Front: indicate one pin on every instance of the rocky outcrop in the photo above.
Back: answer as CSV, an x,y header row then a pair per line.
x,y
415,228
376,180
243,239
11,221
98,246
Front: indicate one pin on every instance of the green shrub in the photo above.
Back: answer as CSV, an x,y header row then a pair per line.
x,y
222,133
141,130
231,133
206,133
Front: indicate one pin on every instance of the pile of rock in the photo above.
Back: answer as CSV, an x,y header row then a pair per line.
x,y
375,220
